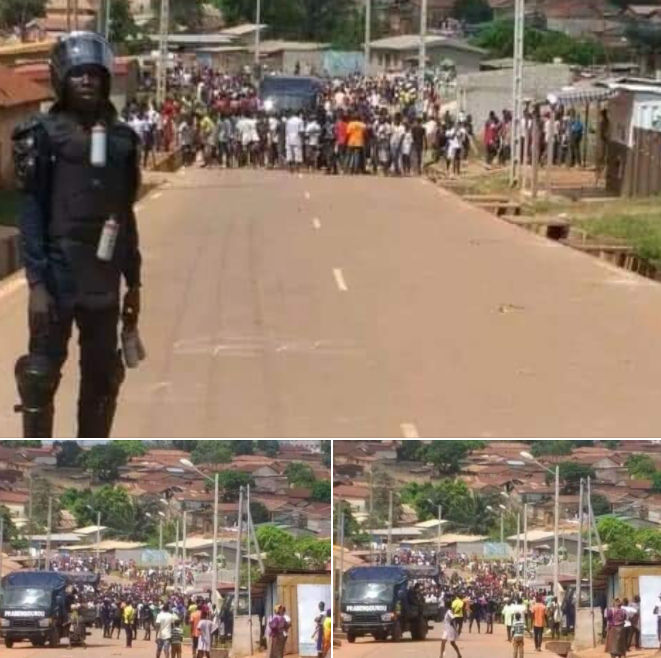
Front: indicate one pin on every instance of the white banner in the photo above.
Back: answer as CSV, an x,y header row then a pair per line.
x,y
650,599
309,597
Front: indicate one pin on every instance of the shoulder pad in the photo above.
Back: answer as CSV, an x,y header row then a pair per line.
x,y
125,131
28,143
28,128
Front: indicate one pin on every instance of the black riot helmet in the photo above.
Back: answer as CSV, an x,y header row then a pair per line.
x,y
80,49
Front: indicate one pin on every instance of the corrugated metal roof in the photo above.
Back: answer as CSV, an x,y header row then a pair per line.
x,y
411,41
16,90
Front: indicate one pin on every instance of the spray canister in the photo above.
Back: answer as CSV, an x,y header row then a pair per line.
x,y
108,239
98,148
130,341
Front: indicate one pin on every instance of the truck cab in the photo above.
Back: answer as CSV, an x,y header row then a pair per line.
x,y
382,602
33,608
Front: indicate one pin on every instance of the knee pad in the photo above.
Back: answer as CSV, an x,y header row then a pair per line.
x,y
37,378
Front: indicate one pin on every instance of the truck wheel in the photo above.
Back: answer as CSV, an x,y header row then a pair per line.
x,y
396,632
39,642
9,643
381,636
54,639
351,638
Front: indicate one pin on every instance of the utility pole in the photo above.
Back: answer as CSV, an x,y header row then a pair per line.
x,y
517,90
68,15
237,566
556,524
422,55
106,33
160,535
98,541
251,527
366,66
341,575
590,517
525,545
176,544
258,20
161,80
371,516
440,534
99,17
502,527
183,553
249,569
50,523
2,540
518,544
579,547
390,527
214,550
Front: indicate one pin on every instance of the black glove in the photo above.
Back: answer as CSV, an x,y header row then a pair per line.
x,y
41,307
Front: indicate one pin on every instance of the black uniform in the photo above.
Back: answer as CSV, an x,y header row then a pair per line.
x,y
65,206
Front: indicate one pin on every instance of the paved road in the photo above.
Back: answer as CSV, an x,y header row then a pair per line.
x,y
96,647
471,645
278,305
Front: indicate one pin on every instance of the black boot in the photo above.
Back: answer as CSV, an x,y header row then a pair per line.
x,y
95,417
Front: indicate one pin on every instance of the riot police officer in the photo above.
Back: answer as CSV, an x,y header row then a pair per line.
x,y
78,167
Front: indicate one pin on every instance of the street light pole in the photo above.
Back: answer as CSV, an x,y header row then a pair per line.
x,y
50,522
160,535
390,528
237,566
422,55
214,552
502,527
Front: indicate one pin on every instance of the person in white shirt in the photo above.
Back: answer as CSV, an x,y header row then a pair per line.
x,y
312,133
396,138
431,131
294,128
164,622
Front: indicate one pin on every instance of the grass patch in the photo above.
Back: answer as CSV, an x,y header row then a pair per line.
x,y
9,205
641,230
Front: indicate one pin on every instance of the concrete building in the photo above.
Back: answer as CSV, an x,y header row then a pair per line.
x,y
399,53
479,93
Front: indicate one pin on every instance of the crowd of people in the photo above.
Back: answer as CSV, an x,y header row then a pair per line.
x,y
362,125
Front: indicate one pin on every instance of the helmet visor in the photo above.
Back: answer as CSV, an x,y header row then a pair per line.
x,y
81,49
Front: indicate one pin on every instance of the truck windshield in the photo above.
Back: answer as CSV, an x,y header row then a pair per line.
x,y
368,592
26,598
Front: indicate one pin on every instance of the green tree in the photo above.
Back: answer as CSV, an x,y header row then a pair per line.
x,y
69,455
211,452
542,448
182,12
600,504
326,453
627,543
105,460
472,11
242,447
230,483
571,474
322,491
185,444
446,456
29,443
640,467
131,448
122,28
286,552
412,450
42,490
269,447
656,482
18,13
382,484
299,474
259,512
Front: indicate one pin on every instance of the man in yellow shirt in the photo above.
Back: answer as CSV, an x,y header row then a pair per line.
x,y
356,144
458,613
128,615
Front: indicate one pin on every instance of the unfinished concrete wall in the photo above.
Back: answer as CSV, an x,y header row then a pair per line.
x,y
478,93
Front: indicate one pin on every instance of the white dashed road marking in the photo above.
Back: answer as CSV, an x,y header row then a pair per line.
x,y
339,279
409,431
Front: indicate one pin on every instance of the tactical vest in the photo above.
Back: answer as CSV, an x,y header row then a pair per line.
x,y
83,197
